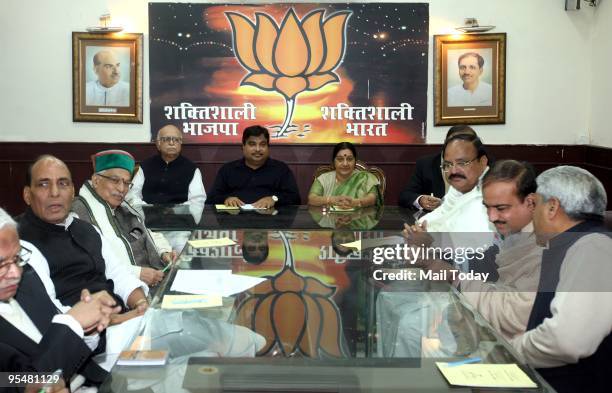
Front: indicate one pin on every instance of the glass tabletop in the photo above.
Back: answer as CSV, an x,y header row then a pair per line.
x,y
186,217
318,320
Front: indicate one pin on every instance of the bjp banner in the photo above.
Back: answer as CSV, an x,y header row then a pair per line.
x,y
310,73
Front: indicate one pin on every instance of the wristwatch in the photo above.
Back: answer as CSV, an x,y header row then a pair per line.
x,y
274,198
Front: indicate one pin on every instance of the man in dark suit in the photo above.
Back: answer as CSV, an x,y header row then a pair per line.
x,y
34,336
256,179
427,185
13,360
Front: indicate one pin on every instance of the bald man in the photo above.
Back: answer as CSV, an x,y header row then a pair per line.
x,y
108,89
168,178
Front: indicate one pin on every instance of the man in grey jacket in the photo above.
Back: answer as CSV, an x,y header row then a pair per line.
x,y
101,202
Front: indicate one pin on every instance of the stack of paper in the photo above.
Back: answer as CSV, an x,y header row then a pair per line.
x,y
225,207
486,375
213,282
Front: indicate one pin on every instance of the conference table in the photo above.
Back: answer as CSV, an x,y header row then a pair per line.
x,y
319,317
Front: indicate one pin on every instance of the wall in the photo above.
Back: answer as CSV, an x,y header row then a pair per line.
x,y
601,97
548,68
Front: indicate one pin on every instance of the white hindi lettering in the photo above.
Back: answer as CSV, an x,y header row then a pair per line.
x,y
370,120
367,129
343,111
199,128
186,111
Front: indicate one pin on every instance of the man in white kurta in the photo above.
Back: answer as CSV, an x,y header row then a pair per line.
x,y
482,95
473,91
108,89
464,165
98,95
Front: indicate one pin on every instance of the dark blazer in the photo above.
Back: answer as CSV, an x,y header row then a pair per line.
x,y
12,360
59,347
427,178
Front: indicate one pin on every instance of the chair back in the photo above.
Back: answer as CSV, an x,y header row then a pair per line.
x,y
360,166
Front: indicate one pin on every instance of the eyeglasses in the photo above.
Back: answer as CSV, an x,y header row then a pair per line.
x,y
168,139
20,260
446,166
116,180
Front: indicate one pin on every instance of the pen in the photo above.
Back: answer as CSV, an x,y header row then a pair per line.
x,y
462,362
165,269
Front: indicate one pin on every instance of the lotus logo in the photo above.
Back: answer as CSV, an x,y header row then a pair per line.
x,y
296,314
293,57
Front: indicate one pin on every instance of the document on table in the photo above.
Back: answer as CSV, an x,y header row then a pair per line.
x,y
213,282
204,243
486,375
173,302
225,207
249,207
117,339
371,243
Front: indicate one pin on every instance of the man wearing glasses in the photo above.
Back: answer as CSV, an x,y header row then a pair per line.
x,y
428,183
168,178
77,256
34,334
464,164
101,203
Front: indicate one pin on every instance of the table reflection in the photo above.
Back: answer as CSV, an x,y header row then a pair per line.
x,y
320,310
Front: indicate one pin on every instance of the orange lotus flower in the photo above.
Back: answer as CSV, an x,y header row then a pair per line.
x,y
295,314
290,58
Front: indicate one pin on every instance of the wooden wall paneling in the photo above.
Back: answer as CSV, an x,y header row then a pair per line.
x,y
398,161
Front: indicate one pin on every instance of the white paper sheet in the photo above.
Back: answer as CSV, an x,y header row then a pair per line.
x,y
212,282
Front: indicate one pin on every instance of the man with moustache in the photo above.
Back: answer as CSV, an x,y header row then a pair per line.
x,y
101,203
473,91
506,299
34,334
428,184
569,338
168,177
78,256
108,89
255,179
464,163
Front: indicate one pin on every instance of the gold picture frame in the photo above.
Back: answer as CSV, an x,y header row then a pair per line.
x,y
107,77
470,79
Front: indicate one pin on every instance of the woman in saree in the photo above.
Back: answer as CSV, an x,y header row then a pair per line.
x,y
345,186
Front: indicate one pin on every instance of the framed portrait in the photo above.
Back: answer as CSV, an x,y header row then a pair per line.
x,y
107,77
470,79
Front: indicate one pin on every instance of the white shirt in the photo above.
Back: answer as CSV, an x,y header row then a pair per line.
x,y
13,313
482,96
580,320
461,220
98,95
196,194
460,212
